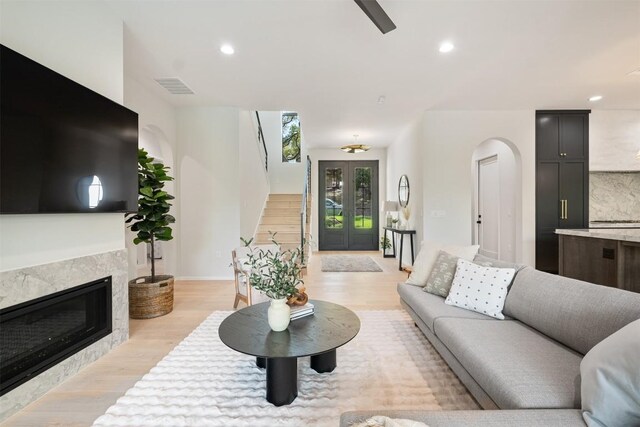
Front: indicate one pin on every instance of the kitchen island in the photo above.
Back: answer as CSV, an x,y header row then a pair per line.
x,y
608,256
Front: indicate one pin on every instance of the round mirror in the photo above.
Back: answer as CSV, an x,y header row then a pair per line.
x,y
403,191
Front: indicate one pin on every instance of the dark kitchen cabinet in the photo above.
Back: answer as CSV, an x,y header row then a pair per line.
x,y
562,179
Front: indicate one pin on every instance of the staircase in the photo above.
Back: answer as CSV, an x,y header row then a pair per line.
x,y
281,215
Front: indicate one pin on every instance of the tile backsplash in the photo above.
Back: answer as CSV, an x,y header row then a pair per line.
x,y
614,196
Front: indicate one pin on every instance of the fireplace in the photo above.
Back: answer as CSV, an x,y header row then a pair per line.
x,y
38,334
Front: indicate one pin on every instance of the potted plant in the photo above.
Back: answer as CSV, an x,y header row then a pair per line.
x,y
151,296
385,244
277,275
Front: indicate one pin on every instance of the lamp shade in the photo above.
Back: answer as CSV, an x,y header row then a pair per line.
x,y
390,206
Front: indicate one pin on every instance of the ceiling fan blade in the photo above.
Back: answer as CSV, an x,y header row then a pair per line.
x,y
376,13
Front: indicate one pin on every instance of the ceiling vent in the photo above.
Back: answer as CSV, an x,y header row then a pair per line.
x,y
175,86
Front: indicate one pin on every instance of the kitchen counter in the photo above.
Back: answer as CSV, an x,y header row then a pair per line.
x,y
605,256
621,234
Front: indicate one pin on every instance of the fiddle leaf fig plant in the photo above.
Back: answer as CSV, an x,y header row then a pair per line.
x,y
152,220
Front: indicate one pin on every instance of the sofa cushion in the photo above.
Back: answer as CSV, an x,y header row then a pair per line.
x,y
441,276
481,289
485,261
611,379
431,307
496,418
576,313
515,365
427,256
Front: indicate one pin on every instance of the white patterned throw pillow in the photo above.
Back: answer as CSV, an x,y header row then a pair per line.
x,y
480,289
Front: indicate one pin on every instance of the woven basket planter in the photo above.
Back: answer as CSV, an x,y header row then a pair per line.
x,y
149,299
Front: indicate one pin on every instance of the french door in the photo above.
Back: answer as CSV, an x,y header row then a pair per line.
x,y
348,205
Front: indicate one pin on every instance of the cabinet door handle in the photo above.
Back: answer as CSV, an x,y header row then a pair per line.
x,y
566,209
563,209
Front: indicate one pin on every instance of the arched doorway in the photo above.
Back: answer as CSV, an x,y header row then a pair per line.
x,y
497,201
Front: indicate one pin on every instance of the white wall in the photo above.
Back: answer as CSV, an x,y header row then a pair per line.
x,y
317,154
209,190
284,178
404,157
158,132
450,138
83,41
614,140
253,179
509,184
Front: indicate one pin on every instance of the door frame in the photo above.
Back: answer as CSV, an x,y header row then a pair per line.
x,y
349,232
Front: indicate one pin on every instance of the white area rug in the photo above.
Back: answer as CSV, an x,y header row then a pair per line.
x,y
201,382
349,263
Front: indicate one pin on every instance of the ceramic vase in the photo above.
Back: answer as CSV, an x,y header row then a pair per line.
x,y
279,314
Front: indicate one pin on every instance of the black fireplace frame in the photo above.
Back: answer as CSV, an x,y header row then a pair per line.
x,y
33,305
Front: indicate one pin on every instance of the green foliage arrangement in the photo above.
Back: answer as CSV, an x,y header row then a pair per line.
x,y
275,274
152,220
385,243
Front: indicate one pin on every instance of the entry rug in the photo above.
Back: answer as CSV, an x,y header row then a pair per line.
x,y
348,263
201,382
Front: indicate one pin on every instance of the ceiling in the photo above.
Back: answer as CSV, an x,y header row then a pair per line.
x,y
326,60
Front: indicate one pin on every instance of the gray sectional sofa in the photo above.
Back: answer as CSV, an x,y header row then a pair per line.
x,y
527,364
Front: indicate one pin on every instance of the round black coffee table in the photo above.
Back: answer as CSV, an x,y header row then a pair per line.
x,y
318,336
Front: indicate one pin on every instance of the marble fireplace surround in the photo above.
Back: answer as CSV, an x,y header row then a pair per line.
x,y
24,284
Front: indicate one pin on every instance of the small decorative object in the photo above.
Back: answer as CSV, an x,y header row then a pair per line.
x,y
406,214
299,298
279,314
277,275
395,222
151,296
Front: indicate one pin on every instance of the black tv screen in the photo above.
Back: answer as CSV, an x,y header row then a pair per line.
x,y
63,147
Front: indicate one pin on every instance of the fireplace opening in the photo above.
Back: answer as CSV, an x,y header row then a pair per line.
x,y
38,334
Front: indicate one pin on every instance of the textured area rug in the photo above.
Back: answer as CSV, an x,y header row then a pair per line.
x,y
349,263
201,382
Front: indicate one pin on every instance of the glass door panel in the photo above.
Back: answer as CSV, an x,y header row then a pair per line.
x,y
333,215
362,199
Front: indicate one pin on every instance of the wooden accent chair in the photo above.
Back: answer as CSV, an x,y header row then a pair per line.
x,y
242,272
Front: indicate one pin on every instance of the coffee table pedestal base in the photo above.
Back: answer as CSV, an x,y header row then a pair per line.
x,y
325,362
282,380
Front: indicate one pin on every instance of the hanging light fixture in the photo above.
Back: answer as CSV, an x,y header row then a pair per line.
x,y
355,147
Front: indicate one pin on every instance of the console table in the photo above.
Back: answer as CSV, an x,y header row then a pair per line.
x,y
395,231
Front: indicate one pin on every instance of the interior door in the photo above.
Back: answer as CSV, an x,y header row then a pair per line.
x,y
489,207
348,205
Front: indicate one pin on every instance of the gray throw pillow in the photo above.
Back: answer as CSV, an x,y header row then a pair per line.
x,y
610,380
439,281
485,261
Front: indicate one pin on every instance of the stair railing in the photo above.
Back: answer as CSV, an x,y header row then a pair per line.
x,y
306,193
264,144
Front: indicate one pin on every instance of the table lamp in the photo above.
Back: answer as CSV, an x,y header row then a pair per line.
x,y
390,206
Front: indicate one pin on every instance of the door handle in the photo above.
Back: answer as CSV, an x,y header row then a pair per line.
x,y
564,209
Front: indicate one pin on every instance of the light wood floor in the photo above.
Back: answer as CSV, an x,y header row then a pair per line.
x,y
87,395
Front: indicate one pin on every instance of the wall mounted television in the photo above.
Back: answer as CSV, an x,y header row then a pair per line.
x,y
63,147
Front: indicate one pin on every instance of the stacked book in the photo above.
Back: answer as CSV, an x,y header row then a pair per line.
x,y
301,311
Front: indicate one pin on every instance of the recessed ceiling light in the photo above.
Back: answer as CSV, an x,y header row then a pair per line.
x,y
227,49
446,47
595,98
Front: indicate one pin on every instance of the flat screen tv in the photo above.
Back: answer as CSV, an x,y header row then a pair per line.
x,y
63,147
